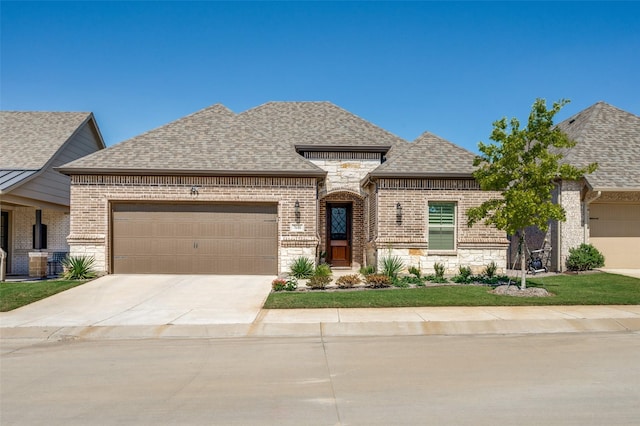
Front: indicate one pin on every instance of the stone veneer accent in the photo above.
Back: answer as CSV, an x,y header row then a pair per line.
x,y
91,198
475,246
345,174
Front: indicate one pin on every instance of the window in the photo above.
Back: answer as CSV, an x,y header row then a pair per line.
x,y
442,226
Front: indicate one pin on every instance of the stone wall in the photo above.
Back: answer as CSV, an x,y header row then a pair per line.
x,y
91,198
572,231
476,258
345,174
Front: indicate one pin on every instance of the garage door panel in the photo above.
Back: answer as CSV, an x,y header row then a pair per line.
x,y
195,239
614,229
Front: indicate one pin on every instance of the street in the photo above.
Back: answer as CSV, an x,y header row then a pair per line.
x,y
546,379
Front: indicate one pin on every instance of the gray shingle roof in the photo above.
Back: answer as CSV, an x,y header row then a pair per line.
x,y
611,137
429,156
28,140
316,123
208,141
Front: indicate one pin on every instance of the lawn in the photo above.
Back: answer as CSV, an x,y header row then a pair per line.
x,y
583,289
16,294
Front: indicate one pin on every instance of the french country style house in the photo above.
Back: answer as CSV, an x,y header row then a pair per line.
x,y
34,197
218,192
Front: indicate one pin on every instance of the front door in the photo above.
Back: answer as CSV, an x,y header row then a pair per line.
x,y
339,234
4,236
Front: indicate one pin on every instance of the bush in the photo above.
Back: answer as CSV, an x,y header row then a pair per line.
x,y
318,282
322,270
302,267
367,270
291,285
490,270
584,257
439,269
464,275
415,271
78,268
348,281
378,280
278,284
392,266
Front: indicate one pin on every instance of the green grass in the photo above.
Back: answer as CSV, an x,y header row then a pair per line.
x,y
16,294
587,289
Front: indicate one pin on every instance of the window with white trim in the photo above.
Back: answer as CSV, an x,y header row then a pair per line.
x,y
442,226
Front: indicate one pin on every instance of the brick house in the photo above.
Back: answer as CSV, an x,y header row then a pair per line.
x,y
34,198
225,193
604,207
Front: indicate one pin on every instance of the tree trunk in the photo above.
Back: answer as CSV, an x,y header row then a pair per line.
x,y
523,260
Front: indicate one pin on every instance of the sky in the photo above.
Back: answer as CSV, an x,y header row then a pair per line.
x,y
450,68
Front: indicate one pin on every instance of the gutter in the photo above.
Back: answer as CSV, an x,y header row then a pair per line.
x,y
184,172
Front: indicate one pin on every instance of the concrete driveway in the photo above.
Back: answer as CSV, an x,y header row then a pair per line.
x,y
115,300
635,273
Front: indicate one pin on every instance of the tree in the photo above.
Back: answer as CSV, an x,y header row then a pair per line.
x,y
524,165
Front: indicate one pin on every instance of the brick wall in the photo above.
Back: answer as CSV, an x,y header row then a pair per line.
x,y
475,246
21,228
91,197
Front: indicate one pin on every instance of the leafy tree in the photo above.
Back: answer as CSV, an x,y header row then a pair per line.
x,y
524,165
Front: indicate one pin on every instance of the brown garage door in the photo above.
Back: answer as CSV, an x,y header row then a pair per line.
x,y
615,231
195,239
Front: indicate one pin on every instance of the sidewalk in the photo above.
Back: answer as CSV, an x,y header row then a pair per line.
x,y
319,323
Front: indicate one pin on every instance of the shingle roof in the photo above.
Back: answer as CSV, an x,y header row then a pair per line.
x,y
316,123
29,139
611,137
208,141
429,155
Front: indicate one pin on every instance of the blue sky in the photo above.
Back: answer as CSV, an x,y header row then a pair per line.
x,y
451,68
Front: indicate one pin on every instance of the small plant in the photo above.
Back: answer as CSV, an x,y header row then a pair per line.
x,y
367,270
378,280
302,267
412,279
490,270
439,269
318,282
392,266
400,282
291,285
278,284
415,271
78,268
464,275
584,258
322,270
348,281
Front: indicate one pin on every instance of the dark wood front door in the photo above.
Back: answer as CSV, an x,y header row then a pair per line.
x,y
339,234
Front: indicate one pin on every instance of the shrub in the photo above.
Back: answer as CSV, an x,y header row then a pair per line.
x,y
367,270
378,280
584,257
348,281
391,266
302,267
464,275
415,271
78,268
318,282
412,279
490,270
278,284
291,285
400,282
439,269
322,270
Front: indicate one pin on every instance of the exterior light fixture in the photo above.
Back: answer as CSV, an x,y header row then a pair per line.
x,y
398,213
296,210
194,191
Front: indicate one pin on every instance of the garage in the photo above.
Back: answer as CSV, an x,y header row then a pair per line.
x,y
228,239
615,231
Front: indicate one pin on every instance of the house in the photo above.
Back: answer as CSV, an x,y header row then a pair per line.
x,y
34,197
603,208
225,193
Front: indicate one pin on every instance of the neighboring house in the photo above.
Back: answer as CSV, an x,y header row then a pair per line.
x,y
224,193
604,208
34,198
